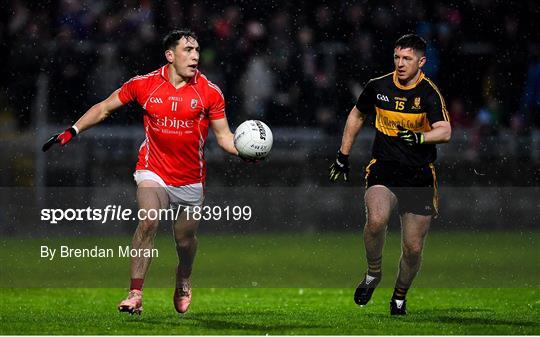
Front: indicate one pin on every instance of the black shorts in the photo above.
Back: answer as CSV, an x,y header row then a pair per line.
x,y
414,187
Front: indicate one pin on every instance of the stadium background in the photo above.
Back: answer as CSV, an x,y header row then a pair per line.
x,y
298,65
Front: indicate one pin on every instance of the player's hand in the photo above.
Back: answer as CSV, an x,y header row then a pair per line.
x,y
410,137
340,167
60,138
249,159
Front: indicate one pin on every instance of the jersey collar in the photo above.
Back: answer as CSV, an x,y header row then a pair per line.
x,y
164,72
407,87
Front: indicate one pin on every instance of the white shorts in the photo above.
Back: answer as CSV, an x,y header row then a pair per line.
x,y
187,195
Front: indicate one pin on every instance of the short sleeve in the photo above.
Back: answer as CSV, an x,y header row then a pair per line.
x,y
216,108
436,107
128,91
366,100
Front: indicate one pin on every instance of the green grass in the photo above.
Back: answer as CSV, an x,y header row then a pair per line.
x,y
271,311
333,260
470,283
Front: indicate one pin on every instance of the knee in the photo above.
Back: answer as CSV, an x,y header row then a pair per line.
x,y
412,251
186,240
148,227
375,224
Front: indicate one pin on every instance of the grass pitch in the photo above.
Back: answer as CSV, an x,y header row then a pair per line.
x,y
470,283
271,311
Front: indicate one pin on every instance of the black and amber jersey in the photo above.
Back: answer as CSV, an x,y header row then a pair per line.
x,y
415,107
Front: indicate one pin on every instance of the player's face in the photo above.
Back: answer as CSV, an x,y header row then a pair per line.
x,y
407,63
185,57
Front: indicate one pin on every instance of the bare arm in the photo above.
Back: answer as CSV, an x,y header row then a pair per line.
x,y
224,136
99,112
440,132
352,127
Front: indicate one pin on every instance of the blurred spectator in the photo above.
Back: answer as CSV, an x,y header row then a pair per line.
x,y
107,74
355,19
68,78
19,18
25,56
281,54
304,73
324,23
210,67
301,64
431,68
485,129
173,14
8,123
258,81
224,35
458,113
257,87
73,17
531,97
140,40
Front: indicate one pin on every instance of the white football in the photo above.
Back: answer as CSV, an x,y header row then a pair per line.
x,y
253,139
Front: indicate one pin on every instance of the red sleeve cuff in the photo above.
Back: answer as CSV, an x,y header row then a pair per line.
x,y
122,97
217,115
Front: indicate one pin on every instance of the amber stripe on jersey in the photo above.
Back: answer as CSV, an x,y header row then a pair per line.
x,y
436,190
388,120
443,104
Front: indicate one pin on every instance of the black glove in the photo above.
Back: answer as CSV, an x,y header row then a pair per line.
x,y
250,160
60,138
410,137
340,167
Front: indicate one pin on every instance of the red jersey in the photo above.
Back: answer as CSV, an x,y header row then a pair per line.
x,y
175,123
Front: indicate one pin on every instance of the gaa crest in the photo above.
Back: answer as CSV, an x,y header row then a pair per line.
x,y
194,102
416,104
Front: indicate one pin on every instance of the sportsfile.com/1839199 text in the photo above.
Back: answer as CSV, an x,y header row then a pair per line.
x,y
118,213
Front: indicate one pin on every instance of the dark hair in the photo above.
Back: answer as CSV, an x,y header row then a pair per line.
x,y
412,41
171,39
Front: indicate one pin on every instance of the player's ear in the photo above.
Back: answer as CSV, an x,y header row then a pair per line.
x,y
422,61
169,55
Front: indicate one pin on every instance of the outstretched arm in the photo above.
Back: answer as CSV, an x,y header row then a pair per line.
x,y
224,136
340,166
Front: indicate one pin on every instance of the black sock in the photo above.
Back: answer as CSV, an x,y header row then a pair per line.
x,y
376,275
374,267
399,293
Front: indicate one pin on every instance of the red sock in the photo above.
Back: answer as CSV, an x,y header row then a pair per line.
x,y
136,284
